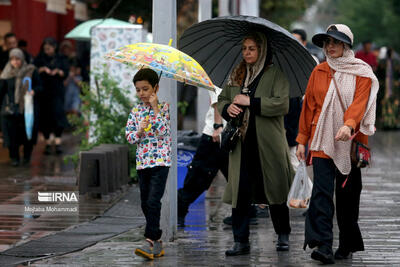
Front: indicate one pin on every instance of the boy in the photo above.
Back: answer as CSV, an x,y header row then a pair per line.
x,y
148,126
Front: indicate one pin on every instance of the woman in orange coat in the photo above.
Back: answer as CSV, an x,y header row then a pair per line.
x,y
327,128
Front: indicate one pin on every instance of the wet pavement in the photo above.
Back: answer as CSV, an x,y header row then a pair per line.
x,y
19,187
205,239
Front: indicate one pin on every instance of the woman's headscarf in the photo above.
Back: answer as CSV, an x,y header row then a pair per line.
x,y
346,67
25,70
244,74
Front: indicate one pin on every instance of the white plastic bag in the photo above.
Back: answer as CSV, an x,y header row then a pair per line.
x,y
300,191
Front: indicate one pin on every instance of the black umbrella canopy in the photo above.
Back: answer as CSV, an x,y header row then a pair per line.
x,y
216,44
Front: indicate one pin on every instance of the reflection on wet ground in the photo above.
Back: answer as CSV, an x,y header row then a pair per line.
x,y
204,241
19,187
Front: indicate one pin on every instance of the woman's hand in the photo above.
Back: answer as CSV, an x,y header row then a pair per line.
x,y
242,100
57,71
301,152
44,69
233,110
344,133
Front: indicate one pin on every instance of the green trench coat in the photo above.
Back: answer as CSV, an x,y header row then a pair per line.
x,y
273,89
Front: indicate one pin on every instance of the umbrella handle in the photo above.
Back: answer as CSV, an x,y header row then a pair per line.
x,y
29,80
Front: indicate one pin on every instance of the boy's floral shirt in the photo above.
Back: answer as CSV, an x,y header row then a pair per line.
x,y
154,146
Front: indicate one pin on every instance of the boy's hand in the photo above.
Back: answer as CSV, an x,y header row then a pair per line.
x,y
153,100
144,124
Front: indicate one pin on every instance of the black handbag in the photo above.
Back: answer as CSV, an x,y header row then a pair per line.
x,y
230,136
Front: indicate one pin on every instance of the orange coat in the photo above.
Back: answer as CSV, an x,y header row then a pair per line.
x,y
317,88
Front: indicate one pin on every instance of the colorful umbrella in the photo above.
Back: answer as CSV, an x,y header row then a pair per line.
x,y
28,109
164,59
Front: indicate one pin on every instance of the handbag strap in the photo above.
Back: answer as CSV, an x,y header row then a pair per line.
x,y
337,91
340,99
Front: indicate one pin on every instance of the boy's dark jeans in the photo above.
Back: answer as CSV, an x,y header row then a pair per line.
x,y
152,183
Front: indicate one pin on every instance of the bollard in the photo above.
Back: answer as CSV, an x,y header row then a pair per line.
x,y
93,169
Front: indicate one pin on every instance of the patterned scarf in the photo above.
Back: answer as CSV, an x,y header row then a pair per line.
x,y
330,120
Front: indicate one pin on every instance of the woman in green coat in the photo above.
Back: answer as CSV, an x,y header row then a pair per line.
x,y
259,166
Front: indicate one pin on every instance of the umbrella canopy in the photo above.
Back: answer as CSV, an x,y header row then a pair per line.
x,y
82,31
216,45
164,59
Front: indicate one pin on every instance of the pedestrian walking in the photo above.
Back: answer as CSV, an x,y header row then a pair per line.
x,y
208,159
328,128
12,92
148,126
53,69
259,166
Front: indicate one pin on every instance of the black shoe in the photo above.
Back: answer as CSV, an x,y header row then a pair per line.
x,y
47,150
14,163
26,161
58,150
262,212
341,254
283,242
238,249
181,221
227,220
325,258
253,221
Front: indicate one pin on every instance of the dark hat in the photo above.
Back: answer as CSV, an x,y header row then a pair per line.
x,y
339,32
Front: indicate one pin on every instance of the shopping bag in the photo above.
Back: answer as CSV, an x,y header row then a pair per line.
x,y
300,191
28,109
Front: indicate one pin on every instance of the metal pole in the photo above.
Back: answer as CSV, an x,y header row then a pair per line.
x,y
203,98
164,29
223,8
249,8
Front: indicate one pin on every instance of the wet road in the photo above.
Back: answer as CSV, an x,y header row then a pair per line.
x,y
205,240
19,187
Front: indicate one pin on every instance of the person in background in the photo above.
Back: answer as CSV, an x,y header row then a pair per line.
x,y
53,69
12,91
67,50
301,36
23,45
367,55
73,88
10,42
149,128
329,127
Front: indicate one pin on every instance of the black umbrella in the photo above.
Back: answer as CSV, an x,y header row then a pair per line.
x,y
216,45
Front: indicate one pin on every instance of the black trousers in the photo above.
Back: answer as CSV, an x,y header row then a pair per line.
x,y
152,183
319,219
241,215
15,127
209,158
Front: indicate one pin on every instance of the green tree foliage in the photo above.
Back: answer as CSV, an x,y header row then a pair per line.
x,y
375,20
283,12
105,110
